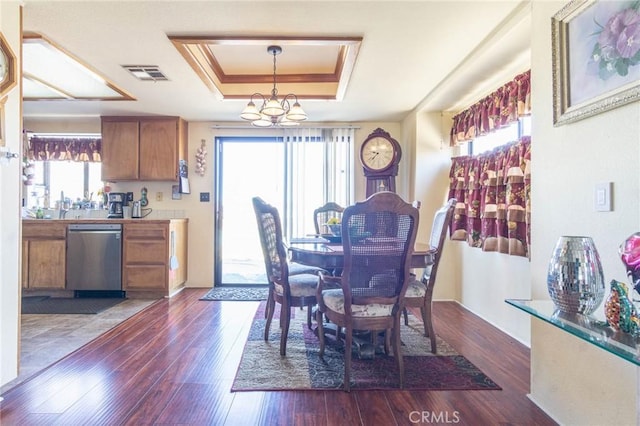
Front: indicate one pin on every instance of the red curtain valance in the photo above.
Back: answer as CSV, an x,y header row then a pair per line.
x,y
64,149
493,189
499,109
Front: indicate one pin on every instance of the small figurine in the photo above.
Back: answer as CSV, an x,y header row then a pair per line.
x,y
620,312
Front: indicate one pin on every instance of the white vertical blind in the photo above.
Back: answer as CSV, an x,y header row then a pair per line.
x,y
318,170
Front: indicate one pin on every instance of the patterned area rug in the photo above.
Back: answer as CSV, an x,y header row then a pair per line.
x,y
237,293
261,367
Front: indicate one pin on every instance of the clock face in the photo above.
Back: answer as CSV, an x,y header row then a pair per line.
x,y
377,153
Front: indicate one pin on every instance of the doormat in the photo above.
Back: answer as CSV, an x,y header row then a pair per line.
x,y
263,369
237,293
67,305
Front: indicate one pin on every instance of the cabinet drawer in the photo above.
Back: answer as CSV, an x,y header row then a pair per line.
x,y
153,252
145,232
44,229
145,278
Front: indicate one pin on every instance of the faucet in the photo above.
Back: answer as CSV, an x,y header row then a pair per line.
x,y
62,211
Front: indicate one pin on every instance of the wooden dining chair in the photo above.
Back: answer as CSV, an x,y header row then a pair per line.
x,y
420,291
378,236
321,215
289,290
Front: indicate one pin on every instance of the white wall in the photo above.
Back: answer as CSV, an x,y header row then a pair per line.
x,y
10,182
576,382
480,281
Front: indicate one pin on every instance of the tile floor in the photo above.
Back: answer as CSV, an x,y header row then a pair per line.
x,y
48,338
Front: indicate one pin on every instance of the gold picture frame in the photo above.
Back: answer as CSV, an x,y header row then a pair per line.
x,y
8,69
591,74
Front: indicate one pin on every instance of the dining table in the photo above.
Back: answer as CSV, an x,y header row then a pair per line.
x,y
329,255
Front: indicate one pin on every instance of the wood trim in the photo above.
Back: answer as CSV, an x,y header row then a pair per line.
x,y
196,50
12,71
36,38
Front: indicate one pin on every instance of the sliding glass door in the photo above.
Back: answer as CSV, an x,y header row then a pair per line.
x,y
296,173
246,168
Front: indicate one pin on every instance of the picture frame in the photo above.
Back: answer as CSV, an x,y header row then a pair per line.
x,y
593,71
8,67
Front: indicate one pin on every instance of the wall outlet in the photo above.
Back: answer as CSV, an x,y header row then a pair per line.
x,y
158,196
204,197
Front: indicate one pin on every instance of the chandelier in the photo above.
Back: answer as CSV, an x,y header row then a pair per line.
x,y
274,112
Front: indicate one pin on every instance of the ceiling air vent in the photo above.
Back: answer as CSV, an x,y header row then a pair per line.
x,y
146,72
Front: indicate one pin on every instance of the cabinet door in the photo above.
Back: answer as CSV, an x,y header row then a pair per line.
x,y
120,154
46,264
159,150
145,257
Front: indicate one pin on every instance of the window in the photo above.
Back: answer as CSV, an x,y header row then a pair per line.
x,y
80,182
499,137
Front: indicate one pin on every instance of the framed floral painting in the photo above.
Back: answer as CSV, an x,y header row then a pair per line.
x,y
596,58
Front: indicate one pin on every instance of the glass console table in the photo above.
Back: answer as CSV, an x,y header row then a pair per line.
x,y
592,328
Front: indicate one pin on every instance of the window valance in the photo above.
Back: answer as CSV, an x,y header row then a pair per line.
x,y
499,109
64,149
493,210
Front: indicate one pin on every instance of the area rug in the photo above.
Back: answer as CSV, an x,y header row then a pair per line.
x,y
262,369
67,305
237,293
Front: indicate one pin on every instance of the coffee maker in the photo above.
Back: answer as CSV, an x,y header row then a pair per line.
x,y
117,201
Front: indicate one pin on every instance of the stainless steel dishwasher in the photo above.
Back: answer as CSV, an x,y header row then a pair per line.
x,y
94,257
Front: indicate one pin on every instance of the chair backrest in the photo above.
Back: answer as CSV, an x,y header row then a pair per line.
x,y
441,221
378,236
273,248
321,215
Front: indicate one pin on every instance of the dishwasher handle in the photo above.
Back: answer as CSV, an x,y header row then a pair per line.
x,y
100,227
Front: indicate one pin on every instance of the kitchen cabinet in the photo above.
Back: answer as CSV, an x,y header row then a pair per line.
x,y
154,257
43,255
142,148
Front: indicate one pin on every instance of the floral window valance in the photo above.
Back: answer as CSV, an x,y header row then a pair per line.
x,y
64,149
493,207
499,109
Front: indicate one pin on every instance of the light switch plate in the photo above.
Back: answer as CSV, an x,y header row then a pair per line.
x,y
603,192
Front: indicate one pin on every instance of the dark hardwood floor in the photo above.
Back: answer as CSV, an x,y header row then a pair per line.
x,y
174,363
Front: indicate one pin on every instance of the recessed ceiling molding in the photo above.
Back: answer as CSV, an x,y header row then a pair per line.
x,y
314,68
43,89
52,73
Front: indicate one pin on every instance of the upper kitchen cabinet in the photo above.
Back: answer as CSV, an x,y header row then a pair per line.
x,y
142,148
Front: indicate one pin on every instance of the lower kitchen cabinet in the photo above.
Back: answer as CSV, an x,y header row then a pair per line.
x,y
43,255
154,257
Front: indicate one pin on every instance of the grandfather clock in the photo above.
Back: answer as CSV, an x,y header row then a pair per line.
x,y
380,155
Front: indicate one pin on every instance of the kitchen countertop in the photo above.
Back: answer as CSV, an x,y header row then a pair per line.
x,y
101,220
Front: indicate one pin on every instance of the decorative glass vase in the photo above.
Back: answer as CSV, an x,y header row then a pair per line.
x,y
335,229
630,256
575,280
